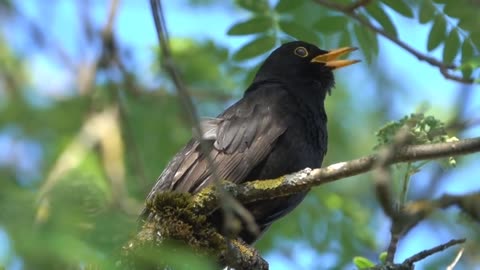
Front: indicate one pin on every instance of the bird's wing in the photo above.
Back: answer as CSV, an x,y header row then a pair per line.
x,y
239,139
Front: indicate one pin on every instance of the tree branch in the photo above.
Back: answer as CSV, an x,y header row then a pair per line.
x,y
408,264
358,4
422,255
170,67
175,219
348,11
174,211
308,178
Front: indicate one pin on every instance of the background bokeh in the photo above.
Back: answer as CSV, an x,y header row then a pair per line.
x,y
88,120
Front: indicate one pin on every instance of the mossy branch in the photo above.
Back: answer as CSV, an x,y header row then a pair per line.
x,y
183,216
175,219
206,201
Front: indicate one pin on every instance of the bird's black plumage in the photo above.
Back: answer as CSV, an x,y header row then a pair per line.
x,y
278,127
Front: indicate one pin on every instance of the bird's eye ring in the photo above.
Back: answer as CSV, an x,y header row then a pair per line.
x,y
301,51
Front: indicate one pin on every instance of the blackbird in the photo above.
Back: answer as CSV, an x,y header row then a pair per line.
x,y
277,128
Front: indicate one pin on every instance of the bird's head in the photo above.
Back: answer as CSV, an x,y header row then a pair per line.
x,y
300,61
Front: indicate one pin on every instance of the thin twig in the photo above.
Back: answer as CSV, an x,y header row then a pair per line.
x,y
228,207
171,69
383,179
112,14
365,22
408,264
87,71
423,254
358,4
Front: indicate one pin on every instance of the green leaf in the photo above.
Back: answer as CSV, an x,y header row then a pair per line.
x,y
467,50
299,31
254,25
473,63
459,10
468,23
373,40
427,12
437,34
362,262
345,39
382,18
475,36
467,54
255,48
399,6
287,5
452,46
367,41
257,6
383,257
331,24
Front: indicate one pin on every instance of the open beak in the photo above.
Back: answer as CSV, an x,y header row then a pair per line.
x,y
330,58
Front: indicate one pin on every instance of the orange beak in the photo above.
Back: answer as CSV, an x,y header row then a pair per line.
x,y
330,58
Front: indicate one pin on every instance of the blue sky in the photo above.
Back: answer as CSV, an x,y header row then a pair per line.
x,y
135,29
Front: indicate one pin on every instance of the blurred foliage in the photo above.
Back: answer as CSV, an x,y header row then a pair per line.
x,y
454,25
80,150
422,130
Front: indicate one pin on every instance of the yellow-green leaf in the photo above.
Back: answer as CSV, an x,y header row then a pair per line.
x,y
427,12
376,11
254,25
474,62
452,46
255,48
383,257
362,262
331,24
437,33
299,31
400,6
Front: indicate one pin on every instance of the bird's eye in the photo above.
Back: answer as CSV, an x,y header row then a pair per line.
x,y
301,51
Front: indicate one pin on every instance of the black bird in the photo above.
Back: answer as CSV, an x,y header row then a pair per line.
x,y
277,128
